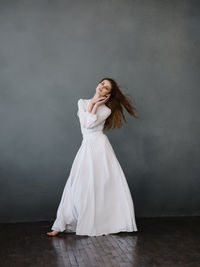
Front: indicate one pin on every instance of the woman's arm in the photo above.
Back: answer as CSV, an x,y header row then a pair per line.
x,y
89,117
92,107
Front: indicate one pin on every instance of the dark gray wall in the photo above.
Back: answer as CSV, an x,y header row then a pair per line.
x,y
54,52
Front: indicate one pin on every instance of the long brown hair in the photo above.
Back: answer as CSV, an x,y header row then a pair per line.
x,y
116,101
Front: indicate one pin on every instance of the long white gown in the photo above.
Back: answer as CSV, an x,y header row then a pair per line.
x,y
96,199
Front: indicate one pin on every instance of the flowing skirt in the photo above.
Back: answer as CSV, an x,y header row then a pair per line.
x,y
96,199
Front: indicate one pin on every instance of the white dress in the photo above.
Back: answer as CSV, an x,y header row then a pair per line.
x,y
96,199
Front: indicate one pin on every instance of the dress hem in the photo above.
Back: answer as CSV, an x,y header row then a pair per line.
x,y
99,234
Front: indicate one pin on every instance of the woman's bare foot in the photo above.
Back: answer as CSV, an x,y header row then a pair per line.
x,y
53,233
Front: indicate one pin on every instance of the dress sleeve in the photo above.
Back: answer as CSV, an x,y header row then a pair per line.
x,y
88,119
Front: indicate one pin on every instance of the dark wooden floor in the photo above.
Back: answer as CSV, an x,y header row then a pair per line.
x,y
171,242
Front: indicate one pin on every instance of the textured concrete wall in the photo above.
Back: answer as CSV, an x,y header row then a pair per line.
x,y
54,52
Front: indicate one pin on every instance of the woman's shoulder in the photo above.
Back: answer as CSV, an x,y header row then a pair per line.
x,y
108,109
83,100
82,103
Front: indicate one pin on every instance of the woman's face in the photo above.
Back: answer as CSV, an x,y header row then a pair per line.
x,y
104,88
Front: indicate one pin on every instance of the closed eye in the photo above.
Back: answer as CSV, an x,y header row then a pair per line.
x,y
106,87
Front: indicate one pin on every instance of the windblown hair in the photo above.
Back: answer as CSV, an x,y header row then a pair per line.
x,y
116,102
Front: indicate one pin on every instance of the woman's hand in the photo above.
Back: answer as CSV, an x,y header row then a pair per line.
x,y
100,100
96,102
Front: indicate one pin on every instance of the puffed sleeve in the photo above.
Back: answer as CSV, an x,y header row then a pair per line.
x,y
88,119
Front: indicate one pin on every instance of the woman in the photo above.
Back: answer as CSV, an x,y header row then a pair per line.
x,y
96,199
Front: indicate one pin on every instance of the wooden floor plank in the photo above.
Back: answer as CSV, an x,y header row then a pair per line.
x,y
162,242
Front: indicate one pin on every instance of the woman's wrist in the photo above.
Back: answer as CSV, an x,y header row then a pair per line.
x,y
94,109
93,101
